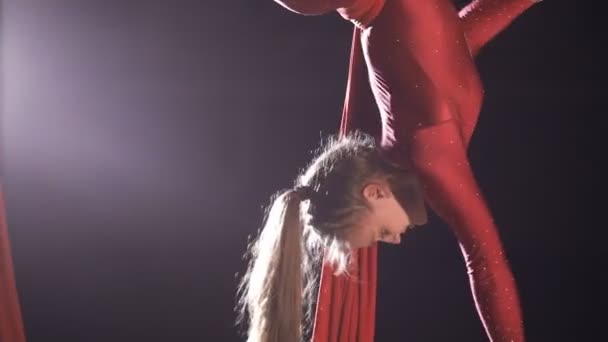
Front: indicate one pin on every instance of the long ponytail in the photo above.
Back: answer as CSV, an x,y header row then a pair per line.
x,y
271,292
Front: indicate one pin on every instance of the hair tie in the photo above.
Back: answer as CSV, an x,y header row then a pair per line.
x,y
305,192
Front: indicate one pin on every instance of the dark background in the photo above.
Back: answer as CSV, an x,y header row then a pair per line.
x,y
142,138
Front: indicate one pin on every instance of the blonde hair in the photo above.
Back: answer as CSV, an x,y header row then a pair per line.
x,y
303,225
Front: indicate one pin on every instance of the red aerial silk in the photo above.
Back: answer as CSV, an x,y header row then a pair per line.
x,y
413,85
11,326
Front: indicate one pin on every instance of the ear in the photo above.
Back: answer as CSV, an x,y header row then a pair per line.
x,y
375,190
370,191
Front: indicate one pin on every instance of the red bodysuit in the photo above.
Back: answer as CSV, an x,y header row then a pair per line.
x,y
11,326
413,84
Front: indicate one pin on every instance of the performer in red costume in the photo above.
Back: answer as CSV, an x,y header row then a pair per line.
x,y
413,85
11,326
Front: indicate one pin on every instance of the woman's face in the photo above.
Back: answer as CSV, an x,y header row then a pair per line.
x,y
385,220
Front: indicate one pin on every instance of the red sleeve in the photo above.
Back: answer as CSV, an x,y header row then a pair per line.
x,y
440,158
11,326
482,20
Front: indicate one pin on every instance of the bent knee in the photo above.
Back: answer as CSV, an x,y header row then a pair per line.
x,y
314,7
362,12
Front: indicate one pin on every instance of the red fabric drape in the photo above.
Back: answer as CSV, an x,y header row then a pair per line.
x,y
11,325
346,306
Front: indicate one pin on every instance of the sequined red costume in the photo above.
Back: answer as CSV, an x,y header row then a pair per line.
x,y
413,84
11,327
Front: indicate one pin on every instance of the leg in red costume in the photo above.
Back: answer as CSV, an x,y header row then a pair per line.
x,y
418,58
482,20
11,326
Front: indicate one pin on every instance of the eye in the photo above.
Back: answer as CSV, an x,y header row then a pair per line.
x,y
383,234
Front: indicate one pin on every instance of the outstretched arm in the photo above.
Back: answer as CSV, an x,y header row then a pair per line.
x,y
482,20
439,157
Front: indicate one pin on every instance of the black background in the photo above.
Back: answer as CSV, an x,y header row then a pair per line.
x,y
143,137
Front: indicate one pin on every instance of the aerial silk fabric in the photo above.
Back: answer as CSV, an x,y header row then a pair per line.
x,y
11,325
